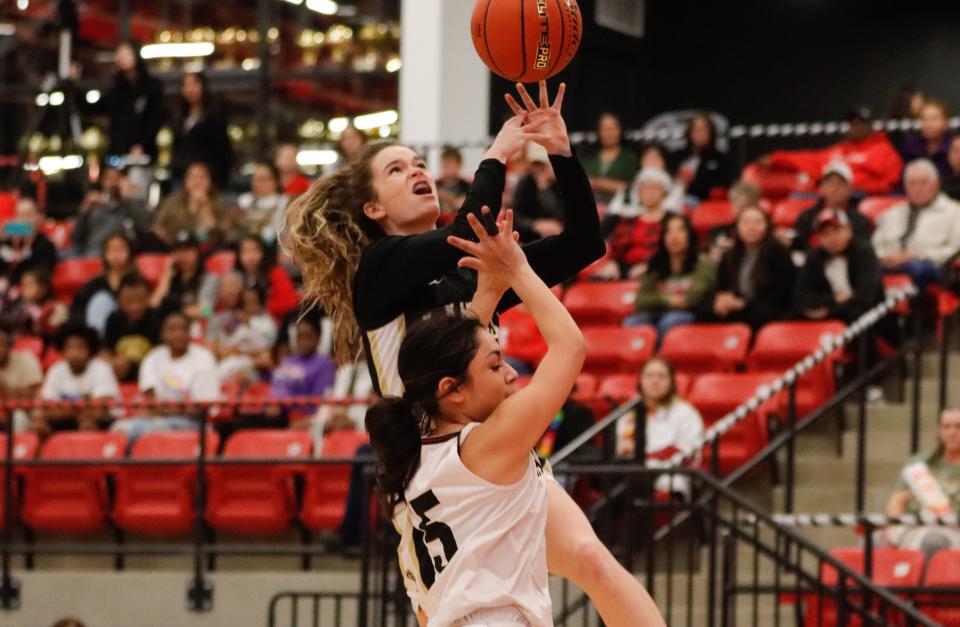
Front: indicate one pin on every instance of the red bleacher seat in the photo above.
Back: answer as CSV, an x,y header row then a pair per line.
x,y
520,337
786,212
898,281
72,274
29,344
151,266
159,500
874,206
780,345
775,182
8,206
25,447
71,499
326,486
221,262
711,214
602,302
943,571
698,348
891,567
256,499
612,350
715,396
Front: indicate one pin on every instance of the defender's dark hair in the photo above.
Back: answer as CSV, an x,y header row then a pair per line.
x,y
437,347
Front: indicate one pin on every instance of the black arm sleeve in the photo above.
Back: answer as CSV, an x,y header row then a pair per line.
x,y
393,266
556,259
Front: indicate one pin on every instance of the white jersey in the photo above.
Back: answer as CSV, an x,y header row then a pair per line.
x,y
477,545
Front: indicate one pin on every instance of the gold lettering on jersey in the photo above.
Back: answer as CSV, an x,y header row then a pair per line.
x,y
543,45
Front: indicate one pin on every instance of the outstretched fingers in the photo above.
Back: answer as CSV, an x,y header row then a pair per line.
x,y
514,105
544,95
525,97
558,101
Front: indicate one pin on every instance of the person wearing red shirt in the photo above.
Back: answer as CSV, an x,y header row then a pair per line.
x,y
257,264
292,180
633,236
875,163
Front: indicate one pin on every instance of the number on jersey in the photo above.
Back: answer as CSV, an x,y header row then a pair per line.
x,y
429,531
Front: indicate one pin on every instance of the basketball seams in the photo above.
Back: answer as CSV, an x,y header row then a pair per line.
x,y
563,38
523,41
486,41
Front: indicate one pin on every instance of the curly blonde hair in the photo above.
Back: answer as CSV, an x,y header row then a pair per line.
x,y
325,232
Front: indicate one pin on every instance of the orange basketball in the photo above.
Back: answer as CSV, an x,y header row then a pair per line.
x,y
526,40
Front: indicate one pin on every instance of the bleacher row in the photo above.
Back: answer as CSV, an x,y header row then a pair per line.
x,y
160,500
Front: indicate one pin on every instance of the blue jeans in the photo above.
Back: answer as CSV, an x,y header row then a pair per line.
x,y
663,321
99,309
922,272
135,428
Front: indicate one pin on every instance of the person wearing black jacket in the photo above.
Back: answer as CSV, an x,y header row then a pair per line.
x,y
756,277
23,247
701,165
201,132
835,193
842,277
134,105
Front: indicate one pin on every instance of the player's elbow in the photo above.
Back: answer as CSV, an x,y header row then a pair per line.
x,y
577,347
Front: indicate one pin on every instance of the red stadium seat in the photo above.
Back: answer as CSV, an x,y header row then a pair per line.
x,y
777,183
891,567
874,206
72,274
160,500
151,266
58,232
326,486
601,302
71,499
256,499
786,212
698,348
25,447
715,396
943,571
711,214
520,337
895,282
29,344
780,345
8,206
221,262
612,350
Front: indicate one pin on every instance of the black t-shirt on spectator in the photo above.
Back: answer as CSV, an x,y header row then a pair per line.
x,y
133,340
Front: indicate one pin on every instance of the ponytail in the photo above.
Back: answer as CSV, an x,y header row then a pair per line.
x,y
395,427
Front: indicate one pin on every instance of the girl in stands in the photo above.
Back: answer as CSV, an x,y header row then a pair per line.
x,y
470,492
366,242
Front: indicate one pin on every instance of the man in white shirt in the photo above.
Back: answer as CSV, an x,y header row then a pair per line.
x,y
78,377
174,371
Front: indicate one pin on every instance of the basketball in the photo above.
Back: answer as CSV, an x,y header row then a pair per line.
x,y
526,40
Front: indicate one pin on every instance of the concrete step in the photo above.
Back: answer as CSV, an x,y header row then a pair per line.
x,y
834,498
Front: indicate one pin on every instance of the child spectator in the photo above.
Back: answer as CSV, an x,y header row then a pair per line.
x,y
20,376
31,308
174,371
452,188
306,372
97,299
242,337
257,265
633,238
259,212
80,376
133,329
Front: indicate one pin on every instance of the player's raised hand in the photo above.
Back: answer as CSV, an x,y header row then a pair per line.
x,y
551,129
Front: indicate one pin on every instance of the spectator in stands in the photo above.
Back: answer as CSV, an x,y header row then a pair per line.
x,y
874,164
537,205
80,376
351,143
32,309
193,208
672,424
625,201
305,373
701,167
241,338
633,238
20,376
184,285
200,135
293,182
133,329
920,235
924,482
755,279
97,299
133,105
258,213
286,343
452,188
908,103
23,247
177,371
836,192
678,281
229,287
742,194
110,208
614,165
933,140
841,278
257,264
951,184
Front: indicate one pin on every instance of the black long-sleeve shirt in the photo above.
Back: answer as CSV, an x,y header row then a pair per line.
x,y
402,276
